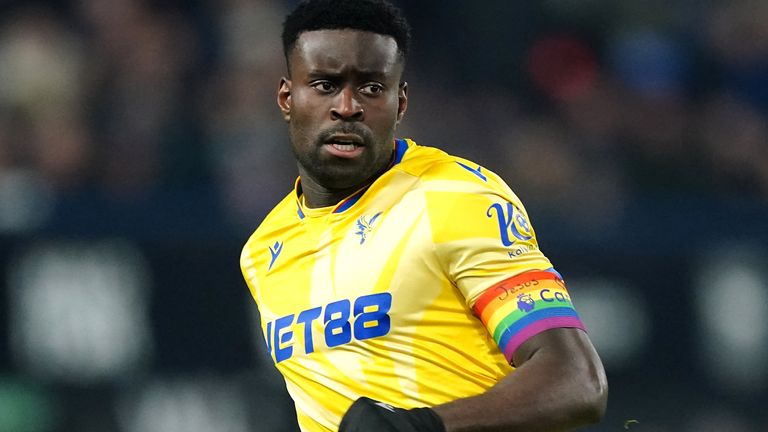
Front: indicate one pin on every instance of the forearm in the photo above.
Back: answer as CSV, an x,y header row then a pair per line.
x,y
545,394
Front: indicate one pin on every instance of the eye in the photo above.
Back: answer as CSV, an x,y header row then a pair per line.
x,y
323,86
372,89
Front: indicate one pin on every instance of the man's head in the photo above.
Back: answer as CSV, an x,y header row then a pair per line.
x,y
343,96
374,16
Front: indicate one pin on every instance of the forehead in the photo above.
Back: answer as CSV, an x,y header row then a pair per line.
x,y
338,50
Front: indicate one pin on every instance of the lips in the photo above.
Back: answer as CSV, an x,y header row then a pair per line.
x,y
345,139
344,145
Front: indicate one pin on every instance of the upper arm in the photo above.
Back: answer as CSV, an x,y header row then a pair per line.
x,y
481,234
570,345
487,247
568,354
519,308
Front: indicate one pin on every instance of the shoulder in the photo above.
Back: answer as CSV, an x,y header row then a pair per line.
x,y
439,171
253,254
282,215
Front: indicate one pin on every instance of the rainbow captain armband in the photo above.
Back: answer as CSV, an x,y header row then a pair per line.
x,y
522,306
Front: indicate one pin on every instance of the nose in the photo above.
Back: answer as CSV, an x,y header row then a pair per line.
x,y
346,106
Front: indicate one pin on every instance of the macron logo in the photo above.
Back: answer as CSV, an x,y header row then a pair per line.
x,y
275,250
475,171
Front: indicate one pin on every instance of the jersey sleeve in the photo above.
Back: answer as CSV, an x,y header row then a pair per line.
x,y
488,249
248,269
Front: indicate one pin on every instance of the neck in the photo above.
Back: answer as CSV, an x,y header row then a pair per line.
x,y
316,196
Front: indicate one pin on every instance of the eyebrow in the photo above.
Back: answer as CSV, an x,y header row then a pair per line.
x,y
364,74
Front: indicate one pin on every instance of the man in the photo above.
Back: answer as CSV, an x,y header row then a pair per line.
x,y
400,288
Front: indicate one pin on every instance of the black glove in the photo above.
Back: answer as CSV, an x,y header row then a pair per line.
x,y
368,415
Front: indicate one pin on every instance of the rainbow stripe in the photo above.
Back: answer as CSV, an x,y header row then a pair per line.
x,y
522,306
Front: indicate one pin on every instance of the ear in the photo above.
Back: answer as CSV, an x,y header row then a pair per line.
x,y
402,100
284,98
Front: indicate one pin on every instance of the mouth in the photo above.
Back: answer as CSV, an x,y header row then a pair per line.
x,y
344,145
340,146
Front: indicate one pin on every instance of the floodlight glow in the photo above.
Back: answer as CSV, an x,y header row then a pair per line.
x,y
615,316
186,404
731,299
78,311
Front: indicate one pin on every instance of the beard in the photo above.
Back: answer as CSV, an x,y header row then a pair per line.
x,y
335,173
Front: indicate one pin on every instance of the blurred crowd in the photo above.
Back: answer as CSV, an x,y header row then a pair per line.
x,y
579,105
124,98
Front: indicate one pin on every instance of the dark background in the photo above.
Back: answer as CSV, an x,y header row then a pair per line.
x,y
140,146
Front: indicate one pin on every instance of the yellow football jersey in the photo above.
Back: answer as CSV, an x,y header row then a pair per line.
x,y
414,291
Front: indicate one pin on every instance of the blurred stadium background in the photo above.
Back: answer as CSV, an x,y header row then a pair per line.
x,y
140,145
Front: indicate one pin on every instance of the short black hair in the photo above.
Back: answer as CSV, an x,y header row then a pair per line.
x,y
375,16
